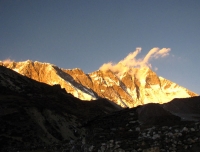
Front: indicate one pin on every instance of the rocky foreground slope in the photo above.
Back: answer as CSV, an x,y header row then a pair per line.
x,y
136,87
34,114
38,117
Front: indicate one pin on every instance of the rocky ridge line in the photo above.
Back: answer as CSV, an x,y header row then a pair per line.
x,y
136,87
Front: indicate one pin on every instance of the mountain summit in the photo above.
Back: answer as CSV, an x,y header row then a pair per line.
x,y
137,86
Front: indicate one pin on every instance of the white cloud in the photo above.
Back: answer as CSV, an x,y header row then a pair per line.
x,y
131,60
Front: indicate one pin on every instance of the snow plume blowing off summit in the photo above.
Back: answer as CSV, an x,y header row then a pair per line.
x,y
130,61
7,60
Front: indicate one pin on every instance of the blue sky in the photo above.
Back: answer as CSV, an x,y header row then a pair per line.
x,y
88,33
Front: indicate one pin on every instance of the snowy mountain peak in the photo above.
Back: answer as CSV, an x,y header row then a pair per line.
x,y
133,87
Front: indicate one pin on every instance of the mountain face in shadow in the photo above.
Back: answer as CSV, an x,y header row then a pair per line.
x,y
135,87
186,108
35,116
34,113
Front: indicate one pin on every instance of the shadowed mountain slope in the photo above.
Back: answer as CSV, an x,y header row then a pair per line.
x,y
36,117
186,108
34,114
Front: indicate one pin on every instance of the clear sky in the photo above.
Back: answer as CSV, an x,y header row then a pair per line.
x,y
88,33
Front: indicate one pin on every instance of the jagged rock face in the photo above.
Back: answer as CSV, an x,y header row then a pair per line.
x,y
50,74
136,87
108,85
80,77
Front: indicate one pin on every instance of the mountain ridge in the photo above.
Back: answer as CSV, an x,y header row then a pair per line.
x,y
135,87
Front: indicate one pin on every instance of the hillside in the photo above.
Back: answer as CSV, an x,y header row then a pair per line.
x,y
36,117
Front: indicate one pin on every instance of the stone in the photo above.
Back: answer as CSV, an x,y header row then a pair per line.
x,y
185,129
137,129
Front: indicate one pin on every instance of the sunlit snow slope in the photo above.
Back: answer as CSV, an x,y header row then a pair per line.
x,y
136,87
